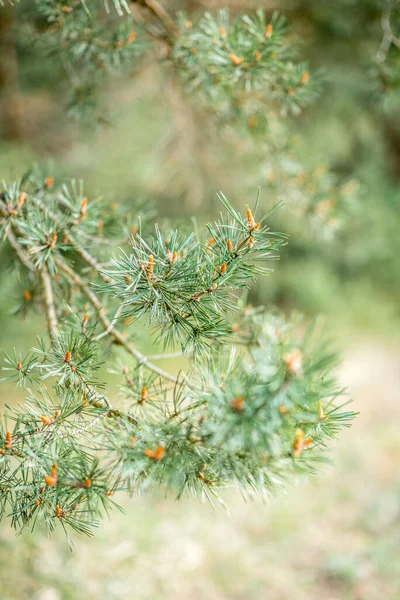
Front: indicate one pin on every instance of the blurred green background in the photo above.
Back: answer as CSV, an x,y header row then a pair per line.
x,y
336,537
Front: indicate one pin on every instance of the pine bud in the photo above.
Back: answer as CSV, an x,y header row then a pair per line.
x,y
156,454
83,208
19,366
37,502
150,266
49,182
8,443
300,443
59,511
51,480
87,483
66,9
21,199
47,420
210,243
250,243
222,32
188,24
236,60
222,269
27,295
229,245
268,31
304,78
237,404
257,55
53,241
283,409
67,357
251,224
85,319
131,37
127,279
144,395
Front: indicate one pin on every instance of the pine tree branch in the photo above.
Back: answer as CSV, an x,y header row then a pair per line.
x,y
49,302
115,334
163,16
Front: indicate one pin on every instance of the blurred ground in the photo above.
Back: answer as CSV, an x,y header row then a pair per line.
x,y
335,538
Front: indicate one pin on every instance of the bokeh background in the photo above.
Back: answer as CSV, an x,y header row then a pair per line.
x,y
334,538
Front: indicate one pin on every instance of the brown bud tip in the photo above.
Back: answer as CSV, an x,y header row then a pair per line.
x,y
49,182
46,420
251,224
144,394
8,443
19,366
150,265
37,501
131,37
27,295
237,404
268,31
229,245
222,268
66,9
21,199
85,319
83,208
87,483
236,60
67,357
304,78
127,279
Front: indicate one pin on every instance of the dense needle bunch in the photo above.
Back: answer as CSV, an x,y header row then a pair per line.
x,y
253,404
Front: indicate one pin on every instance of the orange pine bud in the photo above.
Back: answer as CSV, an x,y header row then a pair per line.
x,y
143,395
156,454
53,241
19,366
298,444
210,243
222,269
229,245
49,182
21,199
27,295
47,420
66,9
67,357
257,55
251,224
50,480
83,208
304,78
237,404
268,31
37,501
59,511
87,483
188,24
131,37
150,266
283,410
8,443
85,319
236,60
222,32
